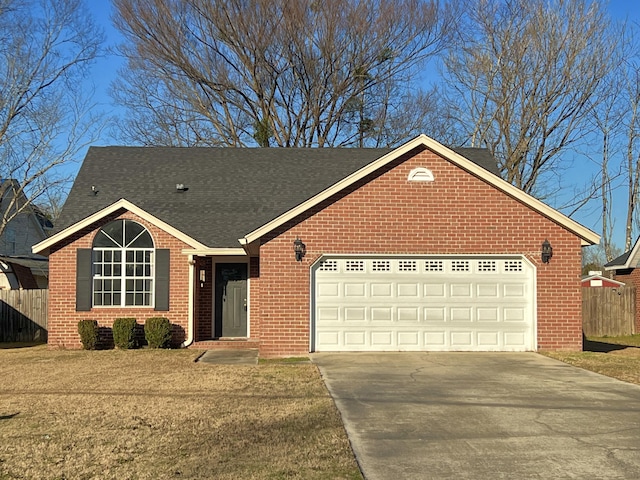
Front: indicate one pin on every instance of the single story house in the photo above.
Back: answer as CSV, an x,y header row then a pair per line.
x,y
291,251
596,280
626,270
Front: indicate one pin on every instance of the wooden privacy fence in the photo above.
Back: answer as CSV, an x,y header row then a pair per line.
x,y
23,315
608,311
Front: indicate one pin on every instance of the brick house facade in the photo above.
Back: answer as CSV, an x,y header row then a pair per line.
x,y
461,214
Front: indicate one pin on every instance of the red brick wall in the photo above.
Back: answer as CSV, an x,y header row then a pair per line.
x,y
203,299
632,280
385,214
63,318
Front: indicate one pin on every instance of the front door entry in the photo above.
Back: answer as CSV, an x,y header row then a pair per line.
x,y
230,300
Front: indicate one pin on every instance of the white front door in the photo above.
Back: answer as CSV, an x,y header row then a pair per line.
x,y
449,303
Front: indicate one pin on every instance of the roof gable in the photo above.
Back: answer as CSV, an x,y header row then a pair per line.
x,y
44,246
587,236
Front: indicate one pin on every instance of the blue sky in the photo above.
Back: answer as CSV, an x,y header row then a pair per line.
x,y
106,70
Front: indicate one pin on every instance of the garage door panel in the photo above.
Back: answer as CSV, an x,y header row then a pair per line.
x,y
487,339
381,290
460,315
354,289
381,314
472,304
487,315
355,314
434,290
382,340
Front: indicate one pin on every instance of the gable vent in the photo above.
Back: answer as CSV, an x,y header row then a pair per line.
x,y
421,174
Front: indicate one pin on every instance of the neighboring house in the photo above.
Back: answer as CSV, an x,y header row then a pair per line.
x,y
19,267
595,279
625,269
298,250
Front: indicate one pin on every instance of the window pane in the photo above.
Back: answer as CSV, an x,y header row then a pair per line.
x,y
97,299
129,299
129,284
132,230
108,299
98,269
108,254
139,284
110,235
143,241
147,299
117,270
117,298
107,270
139,299
139,270
129,270
117,256
147,270
130,255
139,256
97,255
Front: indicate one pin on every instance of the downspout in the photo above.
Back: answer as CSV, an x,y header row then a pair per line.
x,y
190,326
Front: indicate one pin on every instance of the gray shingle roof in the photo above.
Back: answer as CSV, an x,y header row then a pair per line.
x,y
231,191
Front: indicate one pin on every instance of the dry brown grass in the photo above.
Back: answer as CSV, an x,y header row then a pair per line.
x,y
148,414
617,357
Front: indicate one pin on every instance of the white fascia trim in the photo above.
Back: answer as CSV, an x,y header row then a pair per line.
x,y
587,236
127,205
215,252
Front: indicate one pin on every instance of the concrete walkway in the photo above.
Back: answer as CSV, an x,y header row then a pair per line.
x,y
247,356
483,416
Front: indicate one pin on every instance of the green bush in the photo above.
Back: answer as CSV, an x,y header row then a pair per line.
x,y
124,333
157,332
88,330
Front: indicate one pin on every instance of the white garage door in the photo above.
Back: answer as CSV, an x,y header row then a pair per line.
x,y
431,304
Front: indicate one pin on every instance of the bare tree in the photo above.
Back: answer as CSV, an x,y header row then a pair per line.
x,y
46,47
617,118
276,72
524,77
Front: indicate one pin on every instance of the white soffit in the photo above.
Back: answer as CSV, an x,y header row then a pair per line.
x,y
127,205
587,236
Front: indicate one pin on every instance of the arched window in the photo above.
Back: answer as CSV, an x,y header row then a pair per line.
x,y
123,265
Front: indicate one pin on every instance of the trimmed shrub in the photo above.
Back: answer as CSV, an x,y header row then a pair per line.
x,y
88,330
157,332
124,333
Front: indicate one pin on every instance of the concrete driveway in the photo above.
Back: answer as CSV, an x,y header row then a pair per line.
x,y
483,416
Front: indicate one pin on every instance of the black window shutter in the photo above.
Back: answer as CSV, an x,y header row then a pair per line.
x,y
83,280
162,280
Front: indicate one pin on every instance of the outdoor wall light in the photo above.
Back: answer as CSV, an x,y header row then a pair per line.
x,y
299,248
547,251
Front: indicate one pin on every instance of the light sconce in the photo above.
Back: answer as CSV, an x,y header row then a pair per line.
x,y
203,277
299,248
547,251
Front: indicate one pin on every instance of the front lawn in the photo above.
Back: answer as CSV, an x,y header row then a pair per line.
x,y
617,357
155,414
